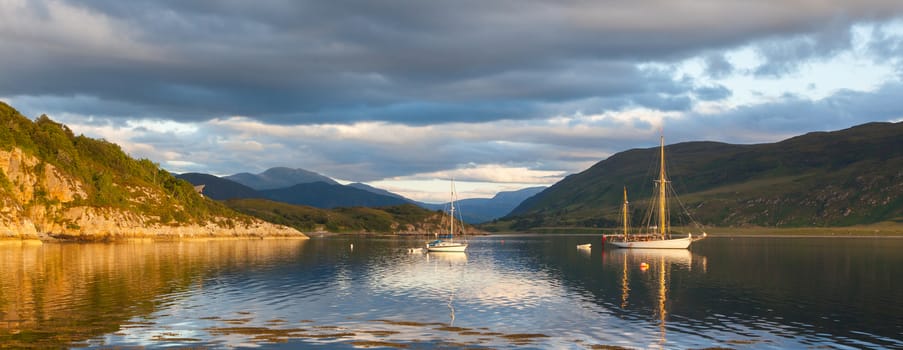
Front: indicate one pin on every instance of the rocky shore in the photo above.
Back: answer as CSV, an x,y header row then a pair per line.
x,y
119,226
36,204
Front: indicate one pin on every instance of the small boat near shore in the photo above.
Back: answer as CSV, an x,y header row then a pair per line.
x,y
447,242
585,246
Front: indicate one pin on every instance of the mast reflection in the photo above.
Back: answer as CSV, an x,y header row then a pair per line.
x,y
655,267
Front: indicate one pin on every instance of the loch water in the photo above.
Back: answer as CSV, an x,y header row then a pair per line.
x,y
506,291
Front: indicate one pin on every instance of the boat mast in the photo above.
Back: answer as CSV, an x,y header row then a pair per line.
x,y
625,214
662,210
451,211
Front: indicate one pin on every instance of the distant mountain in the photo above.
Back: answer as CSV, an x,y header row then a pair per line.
x,y
474,210
480,210
219,188
279,177
326,195
839,178
379,191
518,196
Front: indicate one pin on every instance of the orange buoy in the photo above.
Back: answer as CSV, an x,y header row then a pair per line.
x,y
644,266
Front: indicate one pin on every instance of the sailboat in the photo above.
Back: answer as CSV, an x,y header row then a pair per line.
x,y
656,236
447,243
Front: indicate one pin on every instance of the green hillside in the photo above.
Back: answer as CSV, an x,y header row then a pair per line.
x,y
406,218
841,178
106,176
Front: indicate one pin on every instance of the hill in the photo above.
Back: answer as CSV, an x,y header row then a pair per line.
x,y
219,188
399,219
279,177
847,177
54,184
325,195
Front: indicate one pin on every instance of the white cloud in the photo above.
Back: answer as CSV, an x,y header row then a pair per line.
x,y
492,173
437,190
853,68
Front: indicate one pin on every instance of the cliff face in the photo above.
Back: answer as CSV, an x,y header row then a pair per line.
x,y
58,185
39,203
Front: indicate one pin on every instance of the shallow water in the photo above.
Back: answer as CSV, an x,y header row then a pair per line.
x,y
505,292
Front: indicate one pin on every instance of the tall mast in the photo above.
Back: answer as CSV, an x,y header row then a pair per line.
x,y
451,230
625,214
662,210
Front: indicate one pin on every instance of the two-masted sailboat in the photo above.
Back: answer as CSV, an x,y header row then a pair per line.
x,y
447,242
657,232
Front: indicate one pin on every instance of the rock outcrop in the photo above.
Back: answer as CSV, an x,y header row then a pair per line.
x,y
41,202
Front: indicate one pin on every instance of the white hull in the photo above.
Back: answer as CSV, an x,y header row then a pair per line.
x,y
584,246
677,243
455,248
446,247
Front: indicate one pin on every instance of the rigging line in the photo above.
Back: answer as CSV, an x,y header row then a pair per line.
x,y
685,209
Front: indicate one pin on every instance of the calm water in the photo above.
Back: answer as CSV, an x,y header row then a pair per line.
x,y
505,292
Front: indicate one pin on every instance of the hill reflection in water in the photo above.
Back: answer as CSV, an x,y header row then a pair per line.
x,y
57,294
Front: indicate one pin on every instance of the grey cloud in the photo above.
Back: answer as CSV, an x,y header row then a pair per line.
x,y
886,47
783,56
792,115
530,144
712,93
316,61
422,63
717,66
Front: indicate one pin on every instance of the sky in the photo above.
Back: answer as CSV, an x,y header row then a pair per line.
x,y
404,95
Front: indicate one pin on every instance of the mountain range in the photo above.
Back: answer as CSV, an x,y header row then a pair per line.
x,y
846,177
279,177
481,210
304,187
219,188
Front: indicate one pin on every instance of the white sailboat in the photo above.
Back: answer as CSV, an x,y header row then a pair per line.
x,y
447,243
656,236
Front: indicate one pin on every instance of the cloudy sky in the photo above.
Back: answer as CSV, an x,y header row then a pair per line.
x,y
405,94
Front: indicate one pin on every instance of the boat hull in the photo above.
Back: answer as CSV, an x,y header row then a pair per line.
x,y
677,243
448,248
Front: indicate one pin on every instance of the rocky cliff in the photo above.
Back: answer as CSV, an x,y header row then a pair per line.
x,y
38,205
54,185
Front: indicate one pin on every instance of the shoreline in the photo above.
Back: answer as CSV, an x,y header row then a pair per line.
x,y
148,239
889,230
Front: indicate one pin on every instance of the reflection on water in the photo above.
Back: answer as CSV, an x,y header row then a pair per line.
x,y
505,292
53,294
655,266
